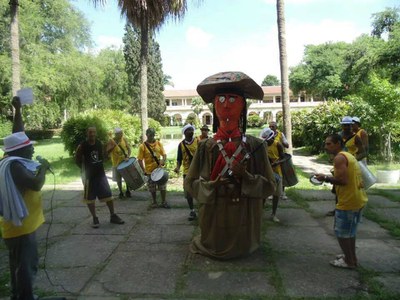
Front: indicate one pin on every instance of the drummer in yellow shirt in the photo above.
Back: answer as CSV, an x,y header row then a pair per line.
x,y
151,156
119,150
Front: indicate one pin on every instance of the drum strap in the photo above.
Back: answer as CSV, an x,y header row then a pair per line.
x,y
152,153
188,151
122,149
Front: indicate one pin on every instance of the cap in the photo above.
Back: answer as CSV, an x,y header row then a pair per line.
x,y
16,141
347,120
356,120
117,130
267,134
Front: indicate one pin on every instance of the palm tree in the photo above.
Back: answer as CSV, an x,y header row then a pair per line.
x,y
148,15
16,81
287,122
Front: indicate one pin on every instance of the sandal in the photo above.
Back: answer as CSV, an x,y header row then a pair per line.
x,y
340,263
340,256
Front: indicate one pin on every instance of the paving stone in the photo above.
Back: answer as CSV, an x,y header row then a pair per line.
x,y
320,208
392,214
168,216
67,215
229,284
326,281
295,217
378,255
390,282
317,195
147,272
380,201
148,233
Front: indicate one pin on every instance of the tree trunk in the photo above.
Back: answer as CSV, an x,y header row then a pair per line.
x,y
144,50
16,81
287,121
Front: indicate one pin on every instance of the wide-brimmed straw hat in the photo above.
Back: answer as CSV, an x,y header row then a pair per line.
x,y
16,141
234,82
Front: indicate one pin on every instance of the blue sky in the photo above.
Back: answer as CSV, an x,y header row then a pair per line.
x,y
239,35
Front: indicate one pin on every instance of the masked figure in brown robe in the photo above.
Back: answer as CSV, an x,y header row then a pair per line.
x,y
230,174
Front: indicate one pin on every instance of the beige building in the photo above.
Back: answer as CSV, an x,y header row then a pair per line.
x,y
179,105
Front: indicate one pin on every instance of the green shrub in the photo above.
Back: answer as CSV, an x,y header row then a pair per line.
x,y
254,121
105,120
40,134
74,131
5,127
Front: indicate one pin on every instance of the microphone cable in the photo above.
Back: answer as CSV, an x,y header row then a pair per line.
x,y
47,241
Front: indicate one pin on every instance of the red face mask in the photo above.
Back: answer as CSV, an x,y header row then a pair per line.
x,y
228,108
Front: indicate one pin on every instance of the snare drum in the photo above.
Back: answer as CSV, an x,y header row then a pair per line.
x,y
288,172
159,176
132,173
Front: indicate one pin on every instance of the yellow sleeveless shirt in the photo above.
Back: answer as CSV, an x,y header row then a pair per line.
x,y
33,202
351,146
351,196
273,155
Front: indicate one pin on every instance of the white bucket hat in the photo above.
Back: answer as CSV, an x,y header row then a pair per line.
x,y
186,127
347,120
356,120
117,130
267,134
16,141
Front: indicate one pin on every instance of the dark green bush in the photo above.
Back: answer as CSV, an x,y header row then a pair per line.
x,y
5,127
38,134
105,120
254,121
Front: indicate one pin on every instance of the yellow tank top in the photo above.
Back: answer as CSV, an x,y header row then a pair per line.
x,y
352,195
117,155
351,146
273,155
33,202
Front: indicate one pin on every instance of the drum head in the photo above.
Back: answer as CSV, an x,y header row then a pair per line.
x,y
157,174
126,163
315,181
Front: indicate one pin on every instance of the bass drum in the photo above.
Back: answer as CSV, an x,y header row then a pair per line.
x,y
288,172
159,176
132,173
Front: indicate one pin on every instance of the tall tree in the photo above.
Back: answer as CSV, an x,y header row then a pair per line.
x,y
270,80
148,15
156,101
287,123
16,73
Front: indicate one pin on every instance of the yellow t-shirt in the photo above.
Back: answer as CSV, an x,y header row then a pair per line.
x,y
117,155
33,202
273,155
185,156
352,195
144,154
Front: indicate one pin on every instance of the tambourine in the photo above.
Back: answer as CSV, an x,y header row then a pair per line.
x,y
315,181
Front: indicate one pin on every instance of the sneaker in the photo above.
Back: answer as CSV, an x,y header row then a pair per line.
x,y
192,216
96,223
121,195
116,220
128,194
274,219
284,197
165,205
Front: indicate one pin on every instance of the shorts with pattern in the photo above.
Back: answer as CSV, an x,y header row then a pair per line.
x,y
152,186
97,187
346,222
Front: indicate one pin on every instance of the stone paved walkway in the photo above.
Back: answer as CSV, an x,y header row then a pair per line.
x,y
148,257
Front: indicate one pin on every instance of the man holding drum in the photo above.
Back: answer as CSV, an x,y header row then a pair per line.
x,y
186,150
119,150
152,156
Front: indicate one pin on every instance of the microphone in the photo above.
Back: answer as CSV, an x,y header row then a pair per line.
x,y
42,161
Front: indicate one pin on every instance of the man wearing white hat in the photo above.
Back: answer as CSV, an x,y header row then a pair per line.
x,y
119,150
362,134
186,150
21,206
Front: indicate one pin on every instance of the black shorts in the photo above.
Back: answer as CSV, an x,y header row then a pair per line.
x,y
97,187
